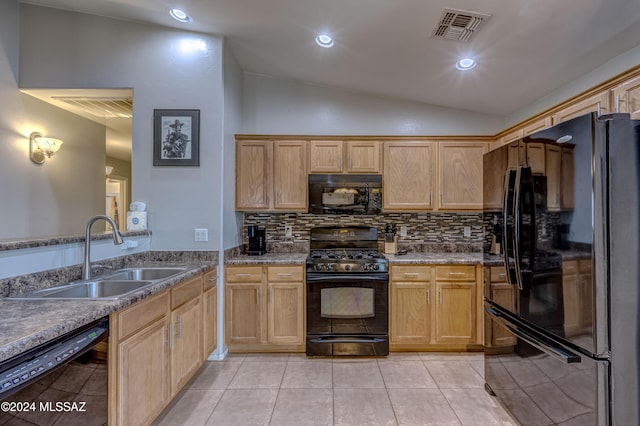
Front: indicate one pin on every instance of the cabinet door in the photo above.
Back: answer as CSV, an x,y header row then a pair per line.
x,y
209,321
599,103
186,345
503,294
410,312
566,172
571,299
290,175
409,172
512,136
554,162
253,175
460,175
537,125
143,374
325,156
627,97
363,157
455,313
242,313
285,313
536,157
495,164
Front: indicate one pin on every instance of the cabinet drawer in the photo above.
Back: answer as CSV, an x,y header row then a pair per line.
x,y
285,273
141,314
584,266
186,291
248,274
411,273
498,274
456,273
569,267
208,280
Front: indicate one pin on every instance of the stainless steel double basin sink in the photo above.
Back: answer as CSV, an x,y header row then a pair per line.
x,y
114,286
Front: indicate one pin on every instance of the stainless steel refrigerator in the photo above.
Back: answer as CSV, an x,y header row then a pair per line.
x,y
562,208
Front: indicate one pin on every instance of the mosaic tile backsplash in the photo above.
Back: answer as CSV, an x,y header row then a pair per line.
x,y
445,230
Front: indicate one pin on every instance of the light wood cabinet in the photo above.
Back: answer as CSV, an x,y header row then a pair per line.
x,y
536,125
516,155
264,308
271,176
599,103
209,314
433,307
253,175
363,157
186,342
577,296
460,175
536,157
554,175
627,97
503,294
325,156
290,175
512,136
566,178
409,175
493,174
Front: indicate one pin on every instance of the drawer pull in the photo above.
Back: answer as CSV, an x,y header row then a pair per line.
x,y
411,274
457,273
440,294
243,275
428,296
282,274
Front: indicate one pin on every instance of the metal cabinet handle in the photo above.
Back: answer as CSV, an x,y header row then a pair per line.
x,y
457,273
441,198
209,304
170,331
282,274
270,294
428,296
440,295
430,197
179,327
243,275
411,274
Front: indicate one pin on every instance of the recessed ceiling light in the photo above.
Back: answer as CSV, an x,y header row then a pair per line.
x,y
324,40
179,15
465,64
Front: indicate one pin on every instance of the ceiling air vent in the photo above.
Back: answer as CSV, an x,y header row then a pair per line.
x,y
459,24
101,107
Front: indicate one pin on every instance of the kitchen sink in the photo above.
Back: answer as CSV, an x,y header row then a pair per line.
x,y
145,273
114,286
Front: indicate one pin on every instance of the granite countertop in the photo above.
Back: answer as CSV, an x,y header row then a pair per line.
x,y
28,323
269,258
434,258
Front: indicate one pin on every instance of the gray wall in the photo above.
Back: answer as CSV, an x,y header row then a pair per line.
x,y
84,51
58,196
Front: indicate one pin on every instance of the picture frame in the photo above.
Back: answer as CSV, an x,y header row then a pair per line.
x,y
176,137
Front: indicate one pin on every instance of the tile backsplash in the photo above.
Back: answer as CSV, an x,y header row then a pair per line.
x,y
422,228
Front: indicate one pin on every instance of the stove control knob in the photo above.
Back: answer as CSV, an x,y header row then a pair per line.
x,y
347,268
366,266
319,267
329,266
376,266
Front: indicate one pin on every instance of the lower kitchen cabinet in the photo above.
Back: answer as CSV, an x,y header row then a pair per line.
x,y
434,307
209,314
264,308
577,296
504,294
155,347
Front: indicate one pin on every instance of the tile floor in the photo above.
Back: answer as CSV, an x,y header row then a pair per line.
x,y
292,389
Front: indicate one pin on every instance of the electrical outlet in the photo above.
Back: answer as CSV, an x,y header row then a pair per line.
x,y
467,231
201,234
288,231
403,231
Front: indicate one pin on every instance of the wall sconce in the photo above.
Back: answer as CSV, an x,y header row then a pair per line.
x,y
41,148
108,170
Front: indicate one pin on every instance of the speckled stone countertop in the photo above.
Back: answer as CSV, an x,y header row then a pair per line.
x,y
27,323
269,259
434,258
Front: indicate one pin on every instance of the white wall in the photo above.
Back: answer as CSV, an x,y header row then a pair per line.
x,y
85,51
277,106
58,196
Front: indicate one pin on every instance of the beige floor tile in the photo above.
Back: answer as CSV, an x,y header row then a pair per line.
x,y
422,407
440,356
244,407
310,374
193,408
96,385
309,407
406,374
401,356
357,407
264,357
258,375
474,407
357,375
454,374
216,375
478,366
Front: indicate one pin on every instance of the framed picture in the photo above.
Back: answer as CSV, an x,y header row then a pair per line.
x,y
176,137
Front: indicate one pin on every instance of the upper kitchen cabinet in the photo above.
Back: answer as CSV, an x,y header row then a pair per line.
x,y
536,125
494,166
325,156
271,176
337,156
536,157
253,175
512,136
363,157
460,175
599,103
409,175
627,97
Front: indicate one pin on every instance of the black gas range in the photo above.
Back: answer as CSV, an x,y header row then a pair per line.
x,y
347,293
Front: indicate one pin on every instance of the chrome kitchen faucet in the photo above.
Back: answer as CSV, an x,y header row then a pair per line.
x,y
117,239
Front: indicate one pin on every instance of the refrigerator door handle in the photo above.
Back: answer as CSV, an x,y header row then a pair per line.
x,y
506,212
555,351
517,231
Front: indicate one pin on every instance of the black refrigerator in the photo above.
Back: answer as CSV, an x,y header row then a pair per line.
x,y
563,206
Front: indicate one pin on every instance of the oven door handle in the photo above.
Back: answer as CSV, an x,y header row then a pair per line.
x,y
346,278
347,340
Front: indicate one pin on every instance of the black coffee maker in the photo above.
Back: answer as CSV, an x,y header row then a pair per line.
x,y
257,241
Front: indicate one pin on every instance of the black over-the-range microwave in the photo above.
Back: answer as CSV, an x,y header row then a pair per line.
x,y
345,194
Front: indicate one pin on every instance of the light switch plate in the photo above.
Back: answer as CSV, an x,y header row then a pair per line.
x,y
467,231
201,234
288,231
403,231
